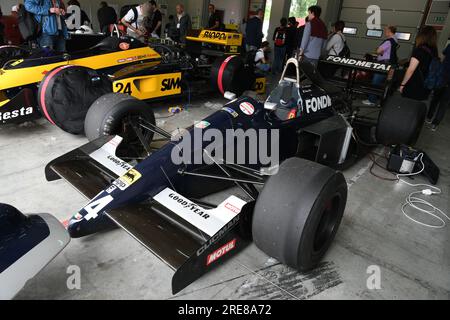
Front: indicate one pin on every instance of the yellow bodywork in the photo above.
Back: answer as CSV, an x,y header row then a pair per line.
x,y
260,85
13,78
218,38
150,87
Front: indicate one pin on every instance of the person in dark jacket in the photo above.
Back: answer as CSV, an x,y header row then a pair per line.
x,y
50,14
106,16
441,97
181,25
214,21
279,40
253,31
413,84
2,29
291,37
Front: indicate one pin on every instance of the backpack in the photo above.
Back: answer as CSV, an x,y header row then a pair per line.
x,y
280,37
124,10
435,76
29,28
393,59
345,52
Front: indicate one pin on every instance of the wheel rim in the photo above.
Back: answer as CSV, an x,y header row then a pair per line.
x,y
132,146
328,222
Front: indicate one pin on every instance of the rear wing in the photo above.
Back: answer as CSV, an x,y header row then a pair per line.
x,y
232,41
187,237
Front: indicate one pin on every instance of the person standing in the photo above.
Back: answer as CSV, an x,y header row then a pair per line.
x,y
336,41
2,29
291,37
214,21
413,84
253,31
156,21
50,15
279,40
441,96
386,53
106,16
134,21
181,25
314,37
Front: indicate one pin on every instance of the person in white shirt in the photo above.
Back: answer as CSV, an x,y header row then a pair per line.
x,y
134,19
336,41
260,57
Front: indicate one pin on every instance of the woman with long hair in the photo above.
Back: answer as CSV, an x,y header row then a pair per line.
x,y
413,84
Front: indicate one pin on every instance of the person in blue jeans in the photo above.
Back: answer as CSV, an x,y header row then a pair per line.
x,y
279,41
386,53
50,15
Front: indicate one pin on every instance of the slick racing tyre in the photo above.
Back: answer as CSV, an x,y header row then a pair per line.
x,y
66,93
298,213
401,121
230,74
123,115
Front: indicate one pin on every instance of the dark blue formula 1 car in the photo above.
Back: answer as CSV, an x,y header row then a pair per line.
x,y
27,244
291,211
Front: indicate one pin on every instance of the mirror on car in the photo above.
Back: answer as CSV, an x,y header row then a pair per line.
x,y
270,106
229,95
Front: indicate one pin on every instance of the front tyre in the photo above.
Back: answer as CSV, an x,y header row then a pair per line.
x,y
298,213
123,115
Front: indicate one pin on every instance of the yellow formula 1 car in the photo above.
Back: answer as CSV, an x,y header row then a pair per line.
x,y
63,87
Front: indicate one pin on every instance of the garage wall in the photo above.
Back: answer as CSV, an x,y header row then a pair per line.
x,y
232,8
405,14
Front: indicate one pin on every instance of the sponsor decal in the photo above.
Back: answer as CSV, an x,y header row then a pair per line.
x,y
220,252
189,206
119,163
292,114
127,179
135,58
171,84
231,111
232,208
213,222
218,235
215,35
202,125
360,63
247,108
124,46
9,115
78,216
16,63
111,189
317,104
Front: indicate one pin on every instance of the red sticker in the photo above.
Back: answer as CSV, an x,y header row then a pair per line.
x,y
124,46
247,108
220,252
292,114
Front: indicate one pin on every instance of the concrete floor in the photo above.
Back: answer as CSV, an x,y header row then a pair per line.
x,y
414,261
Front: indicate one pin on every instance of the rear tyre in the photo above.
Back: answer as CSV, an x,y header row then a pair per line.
x,y
123,115
231,74
66,93
298,213
401,121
